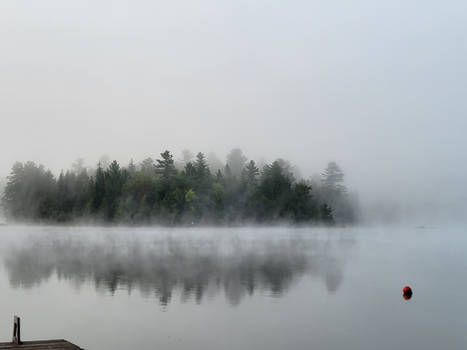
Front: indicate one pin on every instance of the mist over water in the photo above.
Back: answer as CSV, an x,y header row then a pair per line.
x,y
246,288
189,263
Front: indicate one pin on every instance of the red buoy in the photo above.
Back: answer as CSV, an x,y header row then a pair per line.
x,y
407,292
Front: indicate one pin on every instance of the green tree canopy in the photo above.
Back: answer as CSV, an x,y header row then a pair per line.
x,y
165,166
155,192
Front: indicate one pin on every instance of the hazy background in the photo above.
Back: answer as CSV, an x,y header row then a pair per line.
x,y
379,87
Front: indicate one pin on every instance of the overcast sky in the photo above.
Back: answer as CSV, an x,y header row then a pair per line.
x,y
378,86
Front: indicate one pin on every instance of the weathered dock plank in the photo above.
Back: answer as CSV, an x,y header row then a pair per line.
x,y
57,344
17,343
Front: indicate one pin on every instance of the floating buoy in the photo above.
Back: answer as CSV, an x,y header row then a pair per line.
x,y
407,292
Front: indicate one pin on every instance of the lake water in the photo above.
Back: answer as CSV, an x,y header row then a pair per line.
x,y
232,288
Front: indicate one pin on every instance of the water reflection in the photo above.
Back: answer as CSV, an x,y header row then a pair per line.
x,y
196,268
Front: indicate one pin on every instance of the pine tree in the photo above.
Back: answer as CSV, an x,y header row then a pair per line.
x,y
147,166
14,189
150,192
236,161
114,181
250,173
333,178
202,169
165,166
98,192
131,167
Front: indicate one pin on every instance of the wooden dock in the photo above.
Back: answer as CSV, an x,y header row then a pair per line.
x,y
58,344
16,343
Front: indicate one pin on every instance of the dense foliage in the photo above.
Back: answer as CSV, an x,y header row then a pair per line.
x,y
167,192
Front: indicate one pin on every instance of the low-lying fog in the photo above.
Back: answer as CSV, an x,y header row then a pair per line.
x,y
159,262
377,87
224,288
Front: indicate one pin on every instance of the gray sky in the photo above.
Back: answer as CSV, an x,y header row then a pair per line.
x,y
378,86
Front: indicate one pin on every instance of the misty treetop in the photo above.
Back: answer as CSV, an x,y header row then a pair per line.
x,y
169,192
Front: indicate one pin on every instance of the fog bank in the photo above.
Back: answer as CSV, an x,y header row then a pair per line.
x,y
377,87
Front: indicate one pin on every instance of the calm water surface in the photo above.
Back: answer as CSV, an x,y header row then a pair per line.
x,y
256,288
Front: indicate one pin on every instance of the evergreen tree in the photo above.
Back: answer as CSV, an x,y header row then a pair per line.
x,y
78,166
82,194
201,166
236,161
250,173
114,180
219,176
335,194
14,191
30,192
301,205
215,164
187,156
165,166
217,201
202,186
66,195
275,188
131,167
333,178
98,191
147,165
158,193
190,170
228,173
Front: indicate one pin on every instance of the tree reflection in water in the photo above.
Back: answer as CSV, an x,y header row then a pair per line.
x,y
194,267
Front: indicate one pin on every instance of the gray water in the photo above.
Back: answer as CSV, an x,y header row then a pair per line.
x,y
218,288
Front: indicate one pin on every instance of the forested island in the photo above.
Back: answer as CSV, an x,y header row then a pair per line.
x,y
187,192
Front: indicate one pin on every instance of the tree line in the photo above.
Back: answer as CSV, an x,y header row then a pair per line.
x,y
166,192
